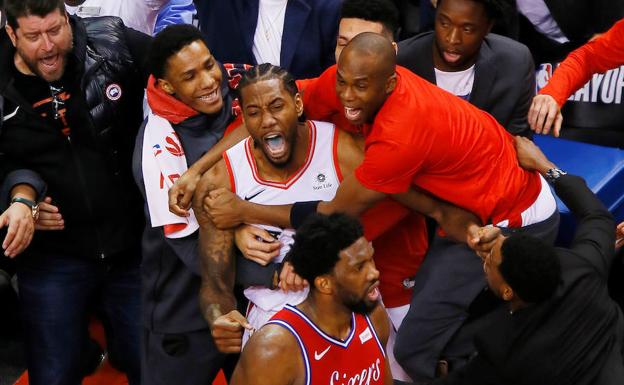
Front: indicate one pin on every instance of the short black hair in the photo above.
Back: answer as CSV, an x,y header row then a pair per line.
x,y
19,8
167,43
530,266
376,11
267,71
319,241
494,9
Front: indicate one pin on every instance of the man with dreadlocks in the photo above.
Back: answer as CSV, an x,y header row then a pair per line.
x,y
492,72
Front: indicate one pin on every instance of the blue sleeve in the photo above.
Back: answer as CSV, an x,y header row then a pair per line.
x,y
175,12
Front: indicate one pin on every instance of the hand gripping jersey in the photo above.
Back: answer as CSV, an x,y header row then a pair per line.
x,y
317,179
360,359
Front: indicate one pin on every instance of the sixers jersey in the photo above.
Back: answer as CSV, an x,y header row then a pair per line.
x,y
317,179
359,359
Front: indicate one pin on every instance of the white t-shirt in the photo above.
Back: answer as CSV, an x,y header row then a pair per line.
x,y
268,36
458,83
539,15
136,14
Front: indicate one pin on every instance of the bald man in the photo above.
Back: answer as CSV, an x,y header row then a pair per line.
x,y
417,135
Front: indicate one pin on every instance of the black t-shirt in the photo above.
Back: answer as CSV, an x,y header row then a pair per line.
x,y
48,99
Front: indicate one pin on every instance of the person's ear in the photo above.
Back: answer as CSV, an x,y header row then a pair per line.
x,y
165,86
11,32
299,104
324,284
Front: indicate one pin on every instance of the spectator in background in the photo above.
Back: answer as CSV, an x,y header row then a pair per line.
x,y
492,72
298,36
554,28
138,14
84,116
175,12
597,56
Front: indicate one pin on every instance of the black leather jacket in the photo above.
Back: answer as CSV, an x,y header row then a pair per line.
x,y
88,174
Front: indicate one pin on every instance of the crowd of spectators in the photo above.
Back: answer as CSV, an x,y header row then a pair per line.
x,y
158,158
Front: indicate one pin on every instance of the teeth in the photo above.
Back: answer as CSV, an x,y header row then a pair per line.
x,y
210,97
352,113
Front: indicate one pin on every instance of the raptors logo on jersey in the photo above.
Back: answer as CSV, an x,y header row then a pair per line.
x,y
358,360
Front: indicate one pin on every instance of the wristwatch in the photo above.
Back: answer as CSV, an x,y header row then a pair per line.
x,y
34,207
553,174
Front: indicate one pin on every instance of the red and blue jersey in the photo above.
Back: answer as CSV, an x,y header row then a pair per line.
x,y
359,359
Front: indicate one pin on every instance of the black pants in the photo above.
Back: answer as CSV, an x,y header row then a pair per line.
x,y
190,358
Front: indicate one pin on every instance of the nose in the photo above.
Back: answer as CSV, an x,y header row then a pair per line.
x,y
268,120
373,273
347,94
207,80
47,43
453,36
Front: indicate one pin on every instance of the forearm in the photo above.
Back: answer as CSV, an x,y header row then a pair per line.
x,y
454,220
597,56
278,215
217,266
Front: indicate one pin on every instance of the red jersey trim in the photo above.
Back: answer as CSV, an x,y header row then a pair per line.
x,y
328,338
230,171
283,185
335,155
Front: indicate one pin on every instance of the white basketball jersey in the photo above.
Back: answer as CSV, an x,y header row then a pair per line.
x,y
317,179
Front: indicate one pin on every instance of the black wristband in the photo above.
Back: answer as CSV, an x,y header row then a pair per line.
x,y
300,211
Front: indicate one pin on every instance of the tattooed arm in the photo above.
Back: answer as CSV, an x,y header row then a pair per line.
x,y
216,254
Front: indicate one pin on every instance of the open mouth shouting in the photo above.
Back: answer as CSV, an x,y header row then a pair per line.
x,y
275,145
353,114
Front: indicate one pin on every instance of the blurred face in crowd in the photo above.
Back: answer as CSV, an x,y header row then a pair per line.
x,y
460,27
193,76
356,278
42,44
271,116
351,27
362,85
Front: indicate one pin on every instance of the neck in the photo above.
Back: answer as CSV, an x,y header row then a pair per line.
x,y
329,315
269,171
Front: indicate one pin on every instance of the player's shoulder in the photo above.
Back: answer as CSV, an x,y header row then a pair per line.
x,y
272,342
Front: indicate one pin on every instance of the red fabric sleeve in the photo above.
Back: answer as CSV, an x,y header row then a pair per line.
x,y
388,167
599,55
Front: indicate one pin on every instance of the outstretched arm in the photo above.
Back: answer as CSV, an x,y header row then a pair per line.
x,y
597,56
594,238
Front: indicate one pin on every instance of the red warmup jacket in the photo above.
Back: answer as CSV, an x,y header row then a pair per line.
x,y
599,55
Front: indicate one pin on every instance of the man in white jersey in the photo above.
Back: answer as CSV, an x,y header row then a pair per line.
x,y
284,159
